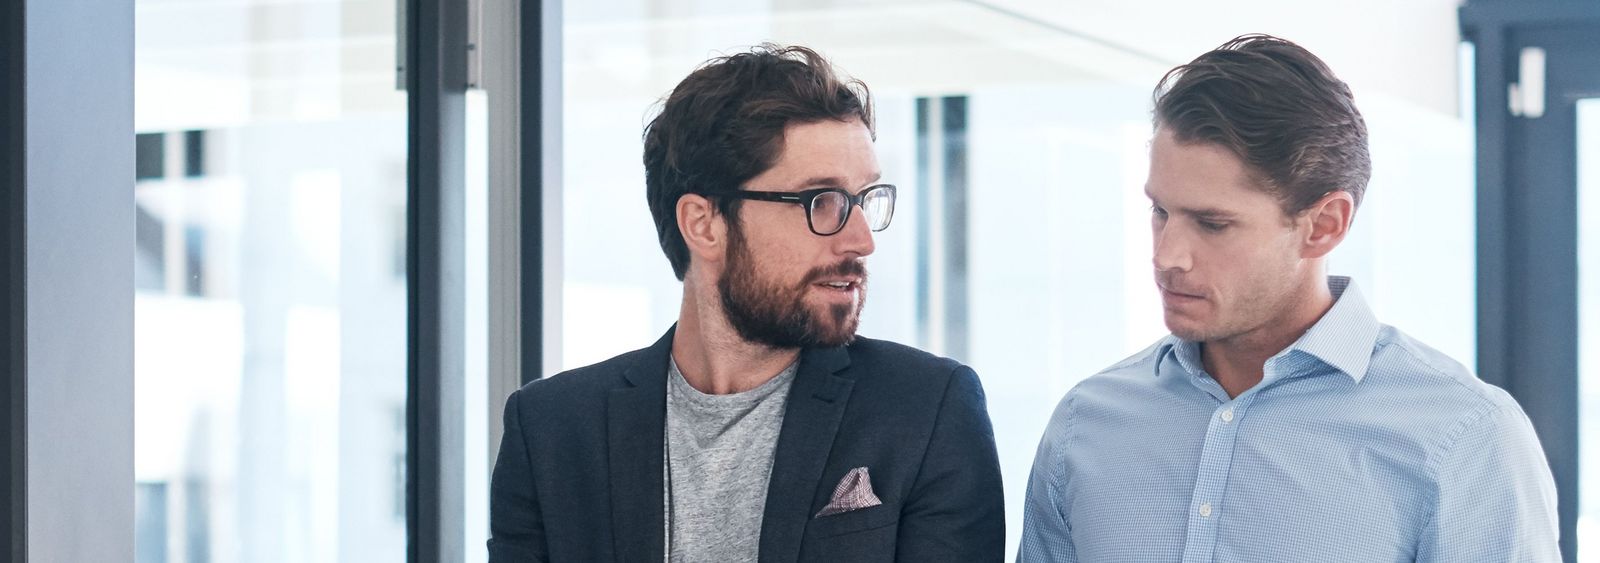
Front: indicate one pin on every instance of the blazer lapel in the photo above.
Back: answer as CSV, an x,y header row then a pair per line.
x,y
636,415
810,421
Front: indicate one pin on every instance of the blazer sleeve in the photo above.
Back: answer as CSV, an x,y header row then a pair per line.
x,y
956,509
516,527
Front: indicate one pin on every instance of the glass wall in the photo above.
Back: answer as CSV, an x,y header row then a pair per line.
x,y
271,283
1018,132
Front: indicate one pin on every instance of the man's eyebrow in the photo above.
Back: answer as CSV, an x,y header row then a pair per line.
x,y
822,181
836,182
1211,213
1206,213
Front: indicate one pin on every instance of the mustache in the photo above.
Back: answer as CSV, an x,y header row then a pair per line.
x,y
847,268
1170,282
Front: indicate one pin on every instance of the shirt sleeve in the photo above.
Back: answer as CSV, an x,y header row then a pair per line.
x,y
1046,534
1496,499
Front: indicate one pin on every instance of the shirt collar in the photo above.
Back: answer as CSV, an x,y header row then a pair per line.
x,y
1343,338
1185,352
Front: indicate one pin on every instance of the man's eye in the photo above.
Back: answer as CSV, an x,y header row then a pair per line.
x,y
1213,227
1157,211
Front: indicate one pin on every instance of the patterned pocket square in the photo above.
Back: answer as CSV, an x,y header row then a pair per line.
x,y
853,493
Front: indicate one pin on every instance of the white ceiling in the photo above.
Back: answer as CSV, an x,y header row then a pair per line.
x,y
1402,50
231,60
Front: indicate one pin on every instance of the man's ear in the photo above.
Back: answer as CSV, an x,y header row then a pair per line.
x,y
705,231
1329,220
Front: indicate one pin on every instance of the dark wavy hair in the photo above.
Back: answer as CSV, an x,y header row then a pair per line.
x,y
724,125
1279,109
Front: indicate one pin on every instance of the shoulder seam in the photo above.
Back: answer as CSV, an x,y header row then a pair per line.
x,y
944,396
1447,449
1058,458
1482,397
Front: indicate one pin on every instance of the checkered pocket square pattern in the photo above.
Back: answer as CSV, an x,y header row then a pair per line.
x,y
853,493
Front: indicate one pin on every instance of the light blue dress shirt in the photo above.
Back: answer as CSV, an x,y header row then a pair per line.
x,y
1359,444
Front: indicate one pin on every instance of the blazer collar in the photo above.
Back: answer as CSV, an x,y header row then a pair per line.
x,y
810,422
635,427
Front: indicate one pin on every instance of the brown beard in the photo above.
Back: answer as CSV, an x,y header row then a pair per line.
x,y
769,314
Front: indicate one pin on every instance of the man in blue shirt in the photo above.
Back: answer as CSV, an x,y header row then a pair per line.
x,y
1280,421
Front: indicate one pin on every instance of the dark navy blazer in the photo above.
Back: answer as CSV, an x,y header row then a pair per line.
x,y
578,477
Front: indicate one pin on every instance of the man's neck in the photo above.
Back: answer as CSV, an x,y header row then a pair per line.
x,y
1239,362
712,356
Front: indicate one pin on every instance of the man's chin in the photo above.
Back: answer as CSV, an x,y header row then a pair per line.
x,y
845,340
1185,328
838,335
831,324
833,329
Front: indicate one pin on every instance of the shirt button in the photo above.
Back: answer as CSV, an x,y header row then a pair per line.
x,y
1227,415
1205,510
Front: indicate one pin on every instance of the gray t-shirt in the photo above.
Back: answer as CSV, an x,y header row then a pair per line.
x,y
718,461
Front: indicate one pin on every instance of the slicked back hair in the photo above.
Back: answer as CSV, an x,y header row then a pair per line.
x,y
1279,109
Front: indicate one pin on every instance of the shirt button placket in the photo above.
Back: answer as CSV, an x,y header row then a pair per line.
x,y
1215,465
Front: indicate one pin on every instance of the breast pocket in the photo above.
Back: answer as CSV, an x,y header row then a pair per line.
x,y
867,534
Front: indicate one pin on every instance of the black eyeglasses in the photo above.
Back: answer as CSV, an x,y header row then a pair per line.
x,y
828,209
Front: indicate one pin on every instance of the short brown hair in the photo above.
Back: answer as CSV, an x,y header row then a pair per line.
x,y
1279,109
724,125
